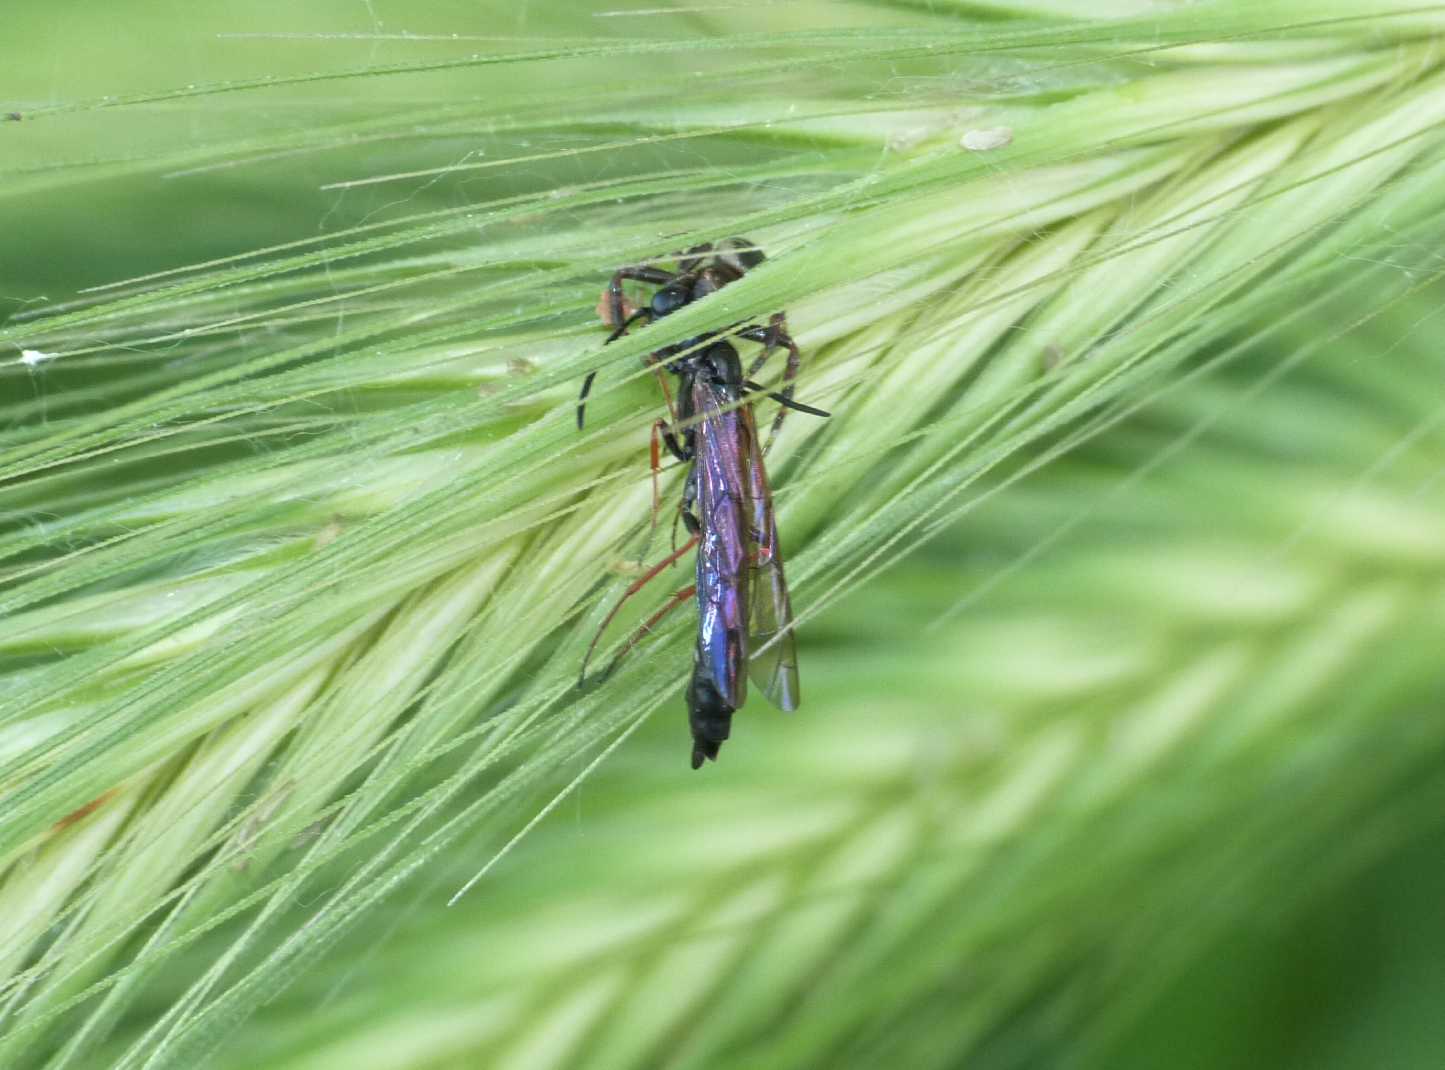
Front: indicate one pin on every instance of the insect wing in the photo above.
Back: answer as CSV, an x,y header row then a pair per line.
x,y
722,566
773,659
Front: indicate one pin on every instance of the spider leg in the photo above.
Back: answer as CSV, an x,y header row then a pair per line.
x,y
788,403
616,314
587,382
773,335
641,313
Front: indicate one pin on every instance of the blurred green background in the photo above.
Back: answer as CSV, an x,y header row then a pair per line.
x,y
1136,765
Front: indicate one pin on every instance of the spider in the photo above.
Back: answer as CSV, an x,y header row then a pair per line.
x,y
701,270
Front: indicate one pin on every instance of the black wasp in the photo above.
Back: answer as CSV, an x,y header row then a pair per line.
x,y
745,619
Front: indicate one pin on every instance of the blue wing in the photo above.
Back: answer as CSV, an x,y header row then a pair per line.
x,y
722,566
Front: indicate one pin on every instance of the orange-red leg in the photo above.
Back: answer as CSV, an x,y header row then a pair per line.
x,y
657,428
656,454
680,598
658,371
636,585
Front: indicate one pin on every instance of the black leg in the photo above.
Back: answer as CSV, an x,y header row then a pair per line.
x,y
587,383
690,521
682,450
641,313
582,398
638,273
682,447
787,403
773,335
684,510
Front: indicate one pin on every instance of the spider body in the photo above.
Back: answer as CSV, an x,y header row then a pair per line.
x,y
701,270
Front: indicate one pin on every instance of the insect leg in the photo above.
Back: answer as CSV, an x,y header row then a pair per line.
x,y
636,585
679,448
682,450
657,372
678,599
684,510
659,428
684,507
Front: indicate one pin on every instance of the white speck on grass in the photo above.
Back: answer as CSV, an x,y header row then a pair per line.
x,y
985,140
31,357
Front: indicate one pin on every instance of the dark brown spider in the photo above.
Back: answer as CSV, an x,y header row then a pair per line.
x,y
701,270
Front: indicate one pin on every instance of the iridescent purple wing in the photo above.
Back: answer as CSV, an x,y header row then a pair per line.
x,y
773,649
722,552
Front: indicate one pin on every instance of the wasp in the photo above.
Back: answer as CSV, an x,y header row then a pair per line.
x,y
745,617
